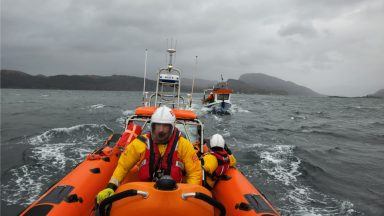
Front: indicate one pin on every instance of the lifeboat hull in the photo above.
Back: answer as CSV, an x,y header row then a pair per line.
x,y
219,107
240,197
75,193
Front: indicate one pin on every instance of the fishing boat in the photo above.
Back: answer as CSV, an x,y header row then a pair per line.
x,y
75,193
218,99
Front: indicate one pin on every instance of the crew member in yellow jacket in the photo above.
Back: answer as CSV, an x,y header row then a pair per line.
x,y
154,151
217,161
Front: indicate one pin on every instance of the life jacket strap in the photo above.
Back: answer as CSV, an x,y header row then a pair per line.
x,y
142,139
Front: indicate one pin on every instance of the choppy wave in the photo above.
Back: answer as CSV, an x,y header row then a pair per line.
x,y
298,117
96,106
377,124
325,133
204,110
201,110
121,120
296,197
218,118
364,108
71,134
236,108
128,112
195,106
53,153
226,133
279,162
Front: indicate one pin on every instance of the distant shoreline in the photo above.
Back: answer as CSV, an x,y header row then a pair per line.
x,y
367,96
251,83
140,91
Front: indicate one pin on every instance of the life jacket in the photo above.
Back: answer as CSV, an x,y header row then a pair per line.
x,y
210,98
223,163
153,166
129,135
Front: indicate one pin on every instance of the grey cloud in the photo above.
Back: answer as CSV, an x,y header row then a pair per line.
x,y
304,30
309,42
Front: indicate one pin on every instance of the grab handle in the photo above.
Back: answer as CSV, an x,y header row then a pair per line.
x,y
119,196
207,199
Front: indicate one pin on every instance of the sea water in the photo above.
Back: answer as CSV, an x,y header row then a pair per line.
x,y
308,155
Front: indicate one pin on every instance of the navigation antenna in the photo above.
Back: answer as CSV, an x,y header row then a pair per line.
x,y
174,60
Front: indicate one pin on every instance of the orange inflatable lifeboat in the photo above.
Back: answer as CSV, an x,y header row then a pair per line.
x,y
75,193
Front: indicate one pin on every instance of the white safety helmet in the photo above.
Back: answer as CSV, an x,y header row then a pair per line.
x,y
163,115
217,141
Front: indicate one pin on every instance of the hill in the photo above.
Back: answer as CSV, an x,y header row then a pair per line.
x,y
265,84
247,83
378,94
18,79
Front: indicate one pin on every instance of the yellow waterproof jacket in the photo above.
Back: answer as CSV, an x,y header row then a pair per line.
x,y
135,152
211,164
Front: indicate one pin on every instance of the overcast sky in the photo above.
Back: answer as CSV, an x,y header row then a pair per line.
x,y
334,47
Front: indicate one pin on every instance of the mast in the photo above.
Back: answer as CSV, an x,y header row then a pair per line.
x,y
145,73
193,81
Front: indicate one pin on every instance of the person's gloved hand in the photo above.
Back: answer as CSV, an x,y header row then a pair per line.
x,y
104,194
